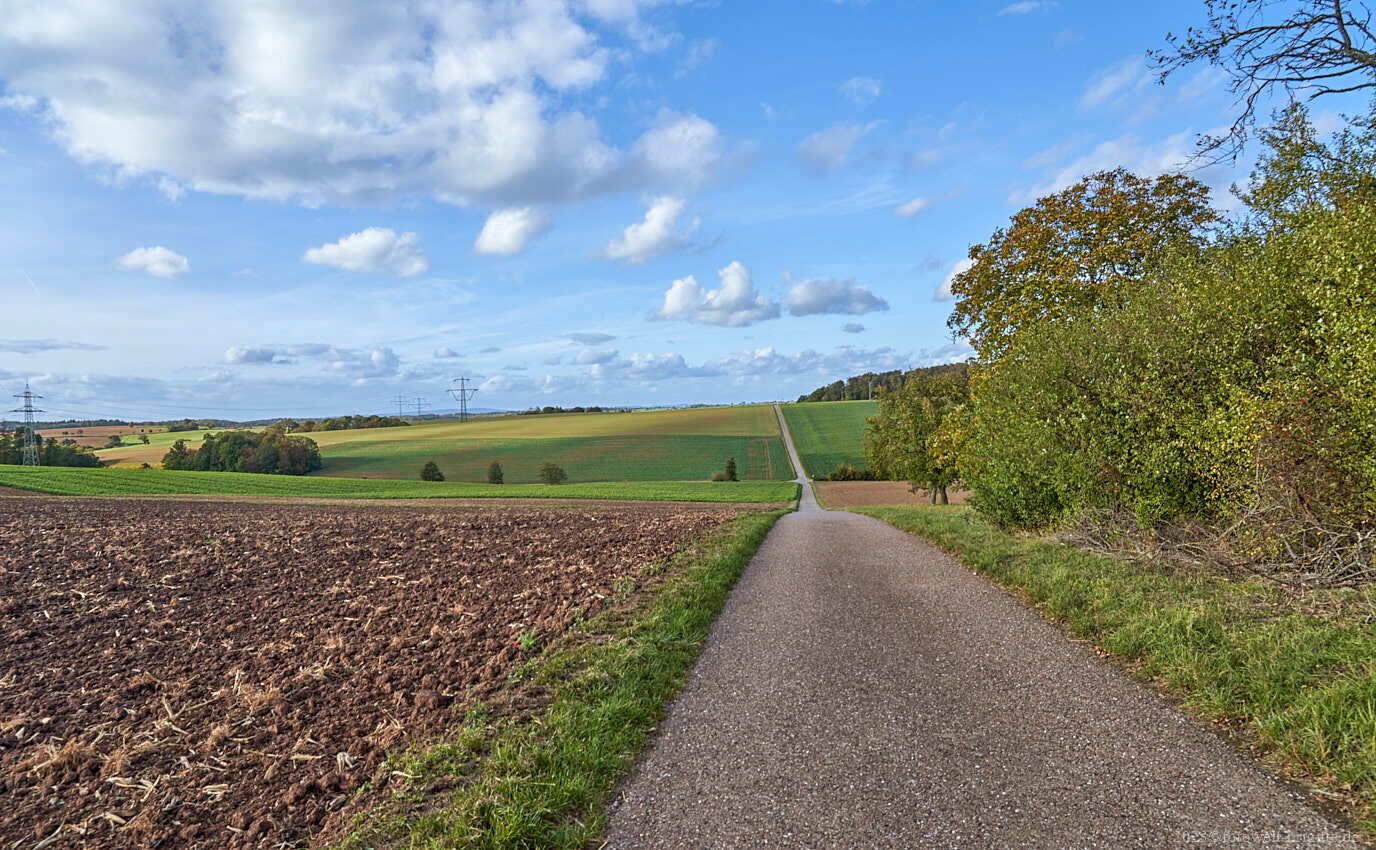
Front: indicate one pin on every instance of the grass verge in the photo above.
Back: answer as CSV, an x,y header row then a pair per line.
x,y
543,781
1295,674
68,481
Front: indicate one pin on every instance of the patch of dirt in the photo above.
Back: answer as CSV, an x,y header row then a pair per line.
x,y
193,674
854,494
97,435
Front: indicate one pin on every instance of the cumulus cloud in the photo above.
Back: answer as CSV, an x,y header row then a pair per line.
x,y
655,235
508,231
912,208
589,356
680,152
734,304
376,249
853,328
359,364
810,297
37,346
943,292
861,90
467,103
155,260
445,353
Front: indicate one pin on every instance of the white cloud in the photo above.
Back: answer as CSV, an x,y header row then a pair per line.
x,y
943,292
828,150
508,231
700,51
155,260
735,304
590,338
680,151
36,346
810,297
589,356
1025,7
358,364
1109,84
1168,155
912,208
376,249
445,353
861,90
468,103
652,237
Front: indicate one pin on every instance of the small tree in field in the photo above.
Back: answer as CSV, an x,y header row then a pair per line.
x,y
552,473
114,441
143,438
494,473
731,470
431,472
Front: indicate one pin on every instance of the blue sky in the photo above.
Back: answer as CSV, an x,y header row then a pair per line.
x,y
251,209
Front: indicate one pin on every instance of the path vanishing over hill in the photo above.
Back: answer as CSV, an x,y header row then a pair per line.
x,y
862,689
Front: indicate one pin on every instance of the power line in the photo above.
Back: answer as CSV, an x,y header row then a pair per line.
x,y
462,393
401,404
31,436
421,405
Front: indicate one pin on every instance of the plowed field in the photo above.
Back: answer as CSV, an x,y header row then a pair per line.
x,y
184,674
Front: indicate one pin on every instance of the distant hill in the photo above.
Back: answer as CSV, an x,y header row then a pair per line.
x,y
870,384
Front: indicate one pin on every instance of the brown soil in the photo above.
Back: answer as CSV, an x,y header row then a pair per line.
x,y
98,435
854,494
226,675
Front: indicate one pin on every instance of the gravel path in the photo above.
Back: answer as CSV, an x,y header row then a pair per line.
x,y
862,689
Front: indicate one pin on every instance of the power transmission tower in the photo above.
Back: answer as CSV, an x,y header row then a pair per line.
x,y
401,404
31,437
462,392
421,405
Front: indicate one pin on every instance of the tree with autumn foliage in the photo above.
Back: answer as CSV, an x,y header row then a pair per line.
x,y
1073,252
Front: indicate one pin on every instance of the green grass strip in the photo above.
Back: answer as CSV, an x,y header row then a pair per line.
x,y
545,782
1295,671
64,481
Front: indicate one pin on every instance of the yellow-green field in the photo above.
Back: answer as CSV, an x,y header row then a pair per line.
x,y
655,445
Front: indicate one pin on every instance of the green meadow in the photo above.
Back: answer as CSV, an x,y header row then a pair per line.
x,y
66,481
829,434
655,445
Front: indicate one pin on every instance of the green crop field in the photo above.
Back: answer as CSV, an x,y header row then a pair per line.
x,y
655,445
828,434
64,481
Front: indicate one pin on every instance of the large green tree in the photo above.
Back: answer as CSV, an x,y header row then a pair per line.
x,y
1073,252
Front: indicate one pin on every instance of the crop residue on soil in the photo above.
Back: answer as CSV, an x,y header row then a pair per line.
x,y
226,675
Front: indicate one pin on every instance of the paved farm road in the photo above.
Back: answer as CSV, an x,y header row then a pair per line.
x,y
861,689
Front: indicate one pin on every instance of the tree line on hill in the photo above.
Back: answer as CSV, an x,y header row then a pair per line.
x,y
1150,369
51,452
872,384
338,423
270,452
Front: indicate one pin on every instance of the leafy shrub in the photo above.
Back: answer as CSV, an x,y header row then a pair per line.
x,y
552,473
431,472
495,474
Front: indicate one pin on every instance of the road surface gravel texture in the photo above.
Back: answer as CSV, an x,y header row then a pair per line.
x,y
218,675
863,689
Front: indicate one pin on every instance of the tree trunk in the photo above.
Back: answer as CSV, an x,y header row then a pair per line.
x,y
945,500
934,495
